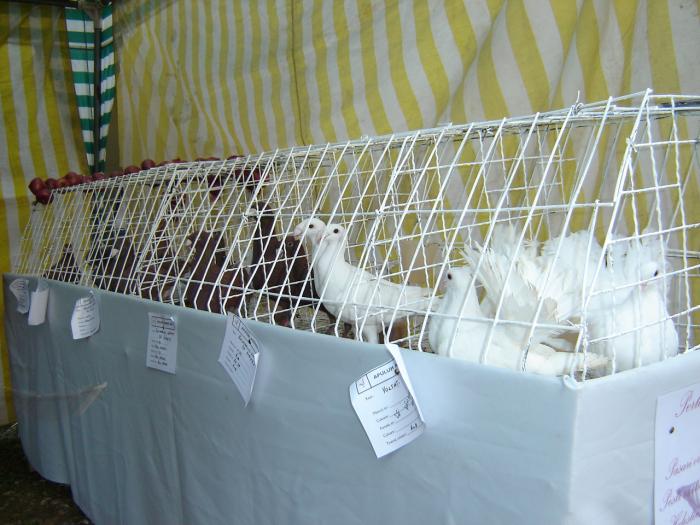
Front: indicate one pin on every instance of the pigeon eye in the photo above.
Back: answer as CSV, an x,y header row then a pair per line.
x,y
336,230
311,226
656,273
449,276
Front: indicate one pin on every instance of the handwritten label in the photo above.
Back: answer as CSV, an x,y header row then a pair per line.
x,y
385,403
20,289
239,356
85,320
40,299
677,457
161,353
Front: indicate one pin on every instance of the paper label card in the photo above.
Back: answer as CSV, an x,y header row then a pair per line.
x,y
20,289
85,320
40,299
395,352
387,408
239,356
677,457
161,353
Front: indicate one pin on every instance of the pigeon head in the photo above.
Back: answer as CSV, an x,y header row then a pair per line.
x,y
310,228
265,218
460,292
291,251
653,262
198,240
334,233
291,245
283,319
459,278
632,265
259,208
646,268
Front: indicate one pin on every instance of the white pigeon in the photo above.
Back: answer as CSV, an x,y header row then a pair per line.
x,y
310,231
463,331
508,294
615,294
357,296
562,284
507,278
631,324
503,247
524,284
573,272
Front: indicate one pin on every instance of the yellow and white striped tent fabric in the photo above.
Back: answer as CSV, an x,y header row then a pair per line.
x,y
221,77
243,77
39,127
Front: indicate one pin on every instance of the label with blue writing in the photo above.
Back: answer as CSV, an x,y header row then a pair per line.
x,y
239,355
161,350
677,457
20,289
386,408
85,320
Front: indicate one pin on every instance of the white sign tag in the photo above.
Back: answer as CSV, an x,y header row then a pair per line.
x,y
40,299
162,343
20,289
239,356
386,405
85,320
677,457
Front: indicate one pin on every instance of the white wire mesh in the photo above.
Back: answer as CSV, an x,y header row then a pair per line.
x,y
565,222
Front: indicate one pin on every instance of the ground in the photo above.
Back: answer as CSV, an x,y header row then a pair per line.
x,y
25,497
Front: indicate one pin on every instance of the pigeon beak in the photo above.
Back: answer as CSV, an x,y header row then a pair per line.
x,y
296,234
188,243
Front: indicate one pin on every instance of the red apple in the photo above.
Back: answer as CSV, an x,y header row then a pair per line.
x,y
98,175
50,184
43,196
73,178
36,184
61,183
131,169
147,164
115,173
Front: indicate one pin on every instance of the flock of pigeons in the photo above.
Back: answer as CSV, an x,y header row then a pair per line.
x,y
541,306
531,294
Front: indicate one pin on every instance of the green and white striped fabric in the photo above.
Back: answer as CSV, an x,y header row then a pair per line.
x,y
81,44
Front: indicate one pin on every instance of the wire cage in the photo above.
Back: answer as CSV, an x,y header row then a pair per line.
x,y
562,242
